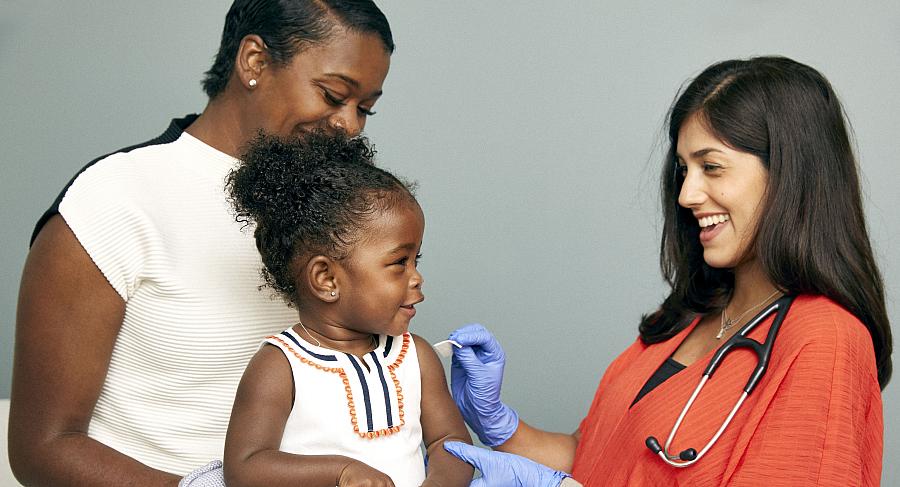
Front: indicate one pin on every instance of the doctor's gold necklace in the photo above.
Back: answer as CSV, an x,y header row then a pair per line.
x,y
727,323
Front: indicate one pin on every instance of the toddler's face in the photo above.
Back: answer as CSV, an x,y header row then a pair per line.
x,y
380,284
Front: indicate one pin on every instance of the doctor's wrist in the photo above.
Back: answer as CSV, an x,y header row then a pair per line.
x,y
499,427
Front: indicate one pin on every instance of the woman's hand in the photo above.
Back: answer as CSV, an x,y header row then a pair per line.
x,y
476,375
505,469
358,474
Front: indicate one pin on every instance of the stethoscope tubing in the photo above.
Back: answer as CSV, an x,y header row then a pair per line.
x,y
739,339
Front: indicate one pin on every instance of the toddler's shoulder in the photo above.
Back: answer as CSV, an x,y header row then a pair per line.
x,y
416,342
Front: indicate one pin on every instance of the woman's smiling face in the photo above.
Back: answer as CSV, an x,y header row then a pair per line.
x,y
724,189
330,86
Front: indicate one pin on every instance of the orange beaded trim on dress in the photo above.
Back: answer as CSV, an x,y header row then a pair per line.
x,y
350,404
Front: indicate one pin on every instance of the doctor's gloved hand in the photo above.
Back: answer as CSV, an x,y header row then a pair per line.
x,y
476,375
505,469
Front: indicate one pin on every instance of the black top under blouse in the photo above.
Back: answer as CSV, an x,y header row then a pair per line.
x,y
668,368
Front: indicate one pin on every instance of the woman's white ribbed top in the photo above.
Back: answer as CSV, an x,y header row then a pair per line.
x,y
157,224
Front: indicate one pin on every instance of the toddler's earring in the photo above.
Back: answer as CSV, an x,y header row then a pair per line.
x,y
252,83
333,293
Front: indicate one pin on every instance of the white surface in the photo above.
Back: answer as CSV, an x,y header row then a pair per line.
x,y
6,476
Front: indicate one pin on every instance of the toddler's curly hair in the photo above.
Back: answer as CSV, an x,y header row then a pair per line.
x,y
308,196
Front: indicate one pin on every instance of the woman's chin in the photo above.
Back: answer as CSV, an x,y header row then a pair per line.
x,y
718,261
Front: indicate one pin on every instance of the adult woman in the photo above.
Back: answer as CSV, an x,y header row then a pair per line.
x,y
761,199
138,390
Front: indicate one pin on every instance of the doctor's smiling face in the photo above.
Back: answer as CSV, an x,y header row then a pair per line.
x,y
724,189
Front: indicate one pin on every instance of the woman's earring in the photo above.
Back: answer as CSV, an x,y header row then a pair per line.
x,y
333,293
252,83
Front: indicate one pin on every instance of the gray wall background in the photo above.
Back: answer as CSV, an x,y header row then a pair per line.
x,y
532,128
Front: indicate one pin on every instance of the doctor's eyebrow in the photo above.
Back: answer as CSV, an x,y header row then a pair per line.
x,y
703,152
699,153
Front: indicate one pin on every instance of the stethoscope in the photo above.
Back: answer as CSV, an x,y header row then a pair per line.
x,y
763,351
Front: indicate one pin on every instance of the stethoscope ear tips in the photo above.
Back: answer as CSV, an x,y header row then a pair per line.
x,y
688,455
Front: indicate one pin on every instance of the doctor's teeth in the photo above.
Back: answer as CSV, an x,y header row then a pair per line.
x,y
707,221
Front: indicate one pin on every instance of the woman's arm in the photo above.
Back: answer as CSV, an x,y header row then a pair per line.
x,y
67,323
441,422
555,450
261,408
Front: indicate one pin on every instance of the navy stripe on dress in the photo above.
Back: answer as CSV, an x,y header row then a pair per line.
x,y
384,387
365,389
327,358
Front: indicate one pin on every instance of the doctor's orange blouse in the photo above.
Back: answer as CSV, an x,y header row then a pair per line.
x,y
815,418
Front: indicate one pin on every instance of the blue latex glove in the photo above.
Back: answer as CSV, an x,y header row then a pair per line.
x,y
476,374
504,469
209,475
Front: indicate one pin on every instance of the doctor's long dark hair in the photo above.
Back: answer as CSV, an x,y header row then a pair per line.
x,y
812,236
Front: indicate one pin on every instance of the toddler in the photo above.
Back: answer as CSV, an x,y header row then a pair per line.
x,y
346,396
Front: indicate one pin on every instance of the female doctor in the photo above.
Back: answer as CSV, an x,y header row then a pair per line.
x,y
762,207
